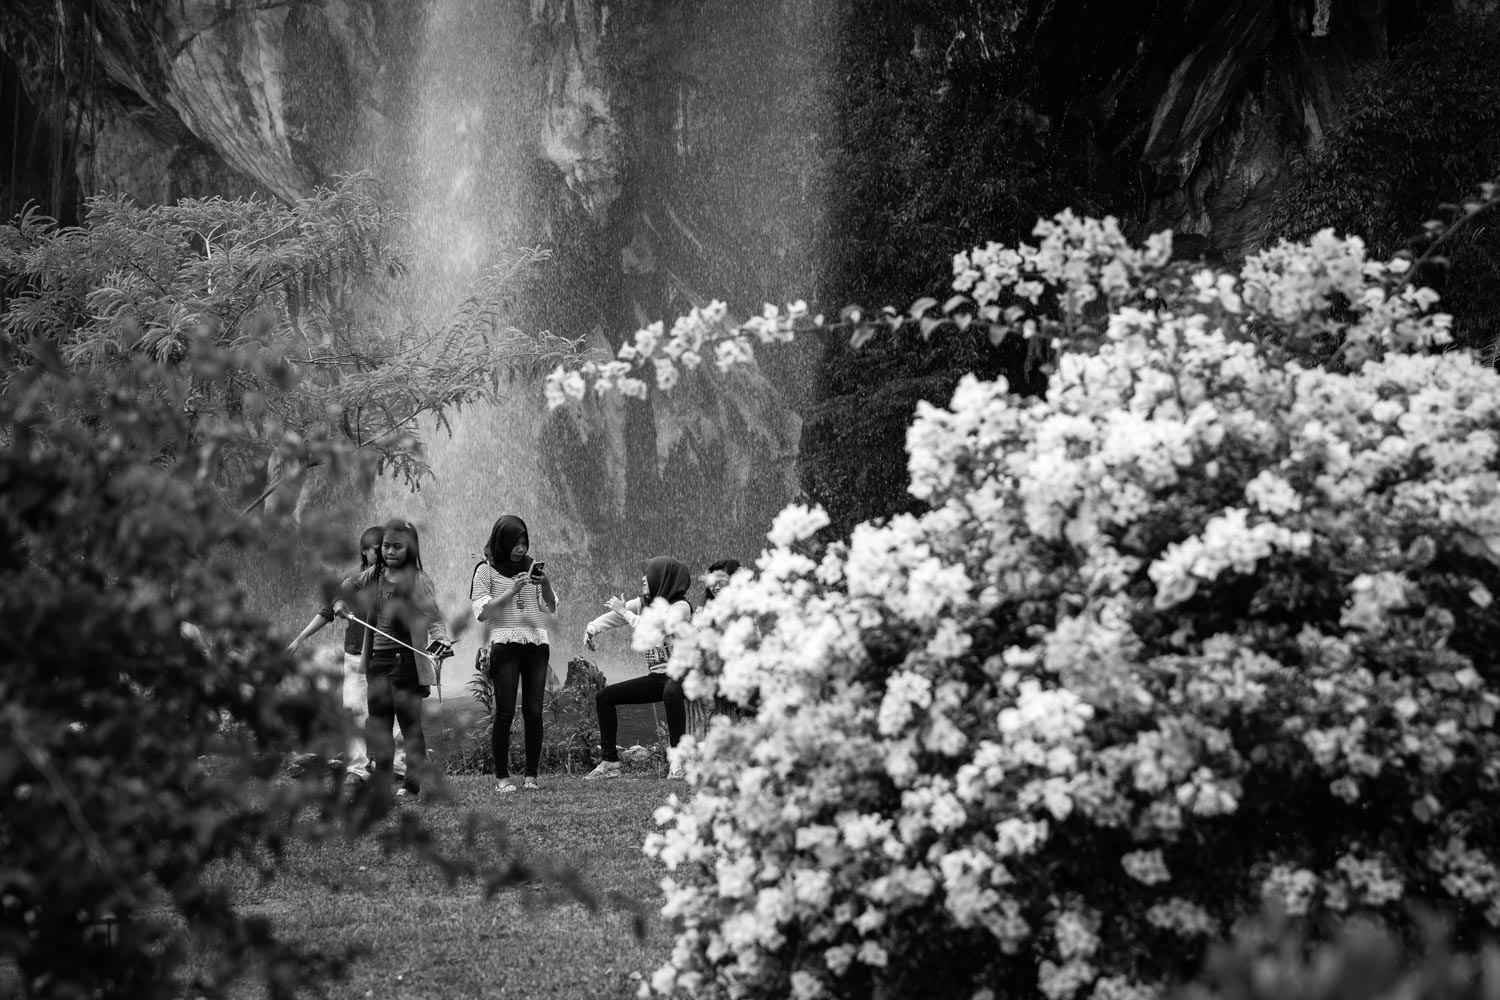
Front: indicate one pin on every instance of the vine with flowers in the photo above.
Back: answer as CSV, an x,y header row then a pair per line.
x,y
1209,624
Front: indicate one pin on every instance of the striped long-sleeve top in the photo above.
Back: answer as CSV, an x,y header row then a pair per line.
x,y
520,618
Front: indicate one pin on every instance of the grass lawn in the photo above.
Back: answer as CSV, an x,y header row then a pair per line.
x,y
418,937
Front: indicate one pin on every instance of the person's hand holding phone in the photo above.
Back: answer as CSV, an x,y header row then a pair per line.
x,y
538,573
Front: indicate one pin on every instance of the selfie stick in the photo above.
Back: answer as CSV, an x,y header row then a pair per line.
x,y
437,664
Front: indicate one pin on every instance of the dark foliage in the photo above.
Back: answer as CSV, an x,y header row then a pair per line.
x,y
947,137
1423,132
131,756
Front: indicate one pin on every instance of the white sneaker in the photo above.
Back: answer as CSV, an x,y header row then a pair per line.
x,y
604,769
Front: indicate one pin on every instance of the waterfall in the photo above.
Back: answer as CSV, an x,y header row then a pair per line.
x,y
480,160
462,179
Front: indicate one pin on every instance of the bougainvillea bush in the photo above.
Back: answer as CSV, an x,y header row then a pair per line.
x,y
1207,627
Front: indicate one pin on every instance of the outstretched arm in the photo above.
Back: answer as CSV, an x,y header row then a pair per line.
x,y
623,613
323,617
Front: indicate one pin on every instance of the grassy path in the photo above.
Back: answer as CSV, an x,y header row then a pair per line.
x,y
418,937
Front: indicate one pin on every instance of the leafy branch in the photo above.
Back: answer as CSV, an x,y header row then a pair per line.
x,y
271,322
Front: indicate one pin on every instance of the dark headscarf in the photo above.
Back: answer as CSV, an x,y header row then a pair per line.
x,y
503,538
666,578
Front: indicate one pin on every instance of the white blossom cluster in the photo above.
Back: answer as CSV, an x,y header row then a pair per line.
x,y
664,355
1160,637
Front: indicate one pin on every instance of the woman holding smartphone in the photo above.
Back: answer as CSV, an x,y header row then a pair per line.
x,y
512,597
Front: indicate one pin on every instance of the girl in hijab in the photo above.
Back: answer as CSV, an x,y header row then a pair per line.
x,y
398,598
512,597
668,580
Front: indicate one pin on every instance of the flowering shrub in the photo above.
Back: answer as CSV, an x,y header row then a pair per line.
x,y
1209,625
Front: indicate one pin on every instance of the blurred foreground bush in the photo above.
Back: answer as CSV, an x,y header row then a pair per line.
x,y
134,753
1273,958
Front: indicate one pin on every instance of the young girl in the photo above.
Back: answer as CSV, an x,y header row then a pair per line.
x,y
356,696
717,578
398,598
669,580
512,597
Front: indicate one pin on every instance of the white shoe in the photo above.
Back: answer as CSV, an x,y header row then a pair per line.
x,y
505,785
677,774
530,785
604,769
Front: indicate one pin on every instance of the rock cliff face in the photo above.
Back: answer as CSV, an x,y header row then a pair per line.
x,y
672,144
285,95
1264,86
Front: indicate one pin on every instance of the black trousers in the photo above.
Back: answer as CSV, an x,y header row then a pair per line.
x,y
640,691
395,697
513,665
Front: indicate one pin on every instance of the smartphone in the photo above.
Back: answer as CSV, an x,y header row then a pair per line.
x,y
538,567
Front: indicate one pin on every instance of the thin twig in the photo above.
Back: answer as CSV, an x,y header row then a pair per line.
x,y
1484,207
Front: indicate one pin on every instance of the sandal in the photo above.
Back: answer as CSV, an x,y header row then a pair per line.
x,y
505,785
530,785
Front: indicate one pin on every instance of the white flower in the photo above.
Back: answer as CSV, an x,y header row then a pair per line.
x,y
1272,494
805,986
796,523
1291,888
1372,597
1146,867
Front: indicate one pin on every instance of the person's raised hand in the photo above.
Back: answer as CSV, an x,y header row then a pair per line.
x,y
616,604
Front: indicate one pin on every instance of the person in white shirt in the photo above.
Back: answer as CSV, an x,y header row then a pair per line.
x,y
512,597
662,578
